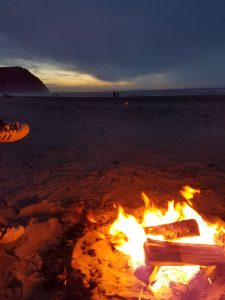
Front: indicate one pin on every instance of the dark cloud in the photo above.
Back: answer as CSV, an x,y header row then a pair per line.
x,y
119,39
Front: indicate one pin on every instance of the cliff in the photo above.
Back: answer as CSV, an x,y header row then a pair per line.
x,y
20,80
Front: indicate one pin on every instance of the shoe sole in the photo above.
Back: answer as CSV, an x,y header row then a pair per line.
x,y
11,137
13,239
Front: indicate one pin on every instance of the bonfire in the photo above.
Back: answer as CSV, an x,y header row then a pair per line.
x,y
168,246
155,253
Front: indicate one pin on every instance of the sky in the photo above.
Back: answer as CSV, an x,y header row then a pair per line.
x,y
98,45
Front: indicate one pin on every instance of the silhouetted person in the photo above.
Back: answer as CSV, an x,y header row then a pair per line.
x,y
117,95
114,94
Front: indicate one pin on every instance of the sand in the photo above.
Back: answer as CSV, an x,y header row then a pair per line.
x,y
85,154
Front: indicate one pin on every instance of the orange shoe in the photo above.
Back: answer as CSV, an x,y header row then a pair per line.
x,y
13,132
10,234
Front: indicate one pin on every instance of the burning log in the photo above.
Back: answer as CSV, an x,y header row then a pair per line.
x,y
160,253
146,274
175,230
220,239
143,273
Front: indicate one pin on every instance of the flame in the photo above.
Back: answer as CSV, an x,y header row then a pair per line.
x,y
132,239
188,193
91,217
128,236
101,235
176,274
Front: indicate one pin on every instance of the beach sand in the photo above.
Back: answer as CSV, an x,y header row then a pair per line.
x,y
86,154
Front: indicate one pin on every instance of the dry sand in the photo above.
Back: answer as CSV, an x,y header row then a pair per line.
x,y
85,154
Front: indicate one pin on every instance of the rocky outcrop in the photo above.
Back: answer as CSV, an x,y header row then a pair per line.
x,y
20,80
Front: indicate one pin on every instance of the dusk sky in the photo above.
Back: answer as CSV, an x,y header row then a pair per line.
x,y
89,45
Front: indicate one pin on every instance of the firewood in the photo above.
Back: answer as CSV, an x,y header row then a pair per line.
x,y
200,284
220,239
161,253
143,273
175,230
146,274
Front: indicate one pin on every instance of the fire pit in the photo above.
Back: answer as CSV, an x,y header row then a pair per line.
x,y
172,252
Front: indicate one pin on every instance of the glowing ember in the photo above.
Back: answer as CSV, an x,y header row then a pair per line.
x,y
176,274
128,236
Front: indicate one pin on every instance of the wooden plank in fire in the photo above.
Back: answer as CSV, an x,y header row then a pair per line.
x,y
175,230
163,253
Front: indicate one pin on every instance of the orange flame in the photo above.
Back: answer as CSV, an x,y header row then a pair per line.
x,y
91,217
188,193
129,236
132,239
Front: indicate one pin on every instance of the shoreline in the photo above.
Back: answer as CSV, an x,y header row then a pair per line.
x,y
180,98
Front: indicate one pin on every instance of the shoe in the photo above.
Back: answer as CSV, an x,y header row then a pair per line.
x,y
13,132
10,234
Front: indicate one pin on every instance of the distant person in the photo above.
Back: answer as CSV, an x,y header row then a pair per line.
x,y
11,132
117,95
114,94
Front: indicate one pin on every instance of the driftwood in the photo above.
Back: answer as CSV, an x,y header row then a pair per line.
x,y
159,253
175,230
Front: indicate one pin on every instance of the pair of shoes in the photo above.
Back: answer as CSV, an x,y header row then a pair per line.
x,y
13,132
10,234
